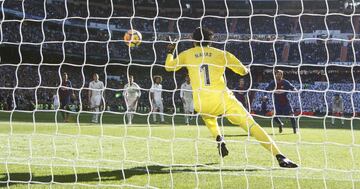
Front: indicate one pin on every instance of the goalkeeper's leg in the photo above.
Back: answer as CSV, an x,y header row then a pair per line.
x,y
211,124
238,115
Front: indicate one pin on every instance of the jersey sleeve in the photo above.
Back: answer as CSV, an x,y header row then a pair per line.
x,y
125,90
138,90
271,86
152,89
172,64
289,86
235,65
70,86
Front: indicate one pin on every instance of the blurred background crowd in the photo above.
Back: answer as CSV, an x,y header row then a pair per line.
x,y
41,39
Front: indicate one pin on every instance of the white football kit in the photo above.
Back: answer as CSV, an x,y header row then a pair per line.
x,y
186,94
96,88
337,105
337,109
56,102
131,95
188,103
157,103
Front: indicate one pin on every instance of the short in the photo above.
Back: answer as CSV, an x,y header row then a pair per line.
x,y
65,102
95,101
158,106
227,105
337,110
283,110
131,106
188,105
56,106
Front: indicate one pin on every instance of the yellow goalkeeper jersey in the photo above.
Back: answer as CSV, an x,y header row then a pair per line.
x,y
206,67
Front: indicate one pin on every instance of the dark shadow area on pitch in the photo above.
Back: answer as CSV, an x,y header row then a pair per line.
x,y
246,135
109,175
237,135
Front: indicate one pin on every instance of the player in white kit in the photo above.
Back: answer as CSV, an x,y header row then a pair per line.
x,y
156,98
337,108
131,95
56,101
187,99
95,96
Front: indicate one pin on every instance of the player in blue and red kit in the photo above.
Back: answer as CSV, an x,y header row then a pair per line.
x,y
65,94
243,96
282,104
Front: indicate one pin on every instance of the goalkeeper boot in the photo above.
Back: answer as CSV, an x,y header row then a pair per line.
x,y
285,162
223,151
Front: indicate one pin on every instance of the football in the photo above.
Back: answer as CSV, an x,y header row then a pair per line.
x,y
132,38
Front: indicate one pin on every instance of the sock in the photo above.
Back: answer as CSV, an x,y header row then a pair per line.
x,y
93,117
278,121
264,139
332,120
342,121
128,115
293,122
162,117
154,117
97,110
211,124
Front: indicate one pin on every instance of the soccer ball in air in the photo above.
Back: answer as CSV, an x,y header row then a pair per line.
x,y
132,38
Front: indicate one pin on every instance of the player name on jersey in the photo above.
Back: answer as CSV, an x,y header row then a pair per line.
x,y
207,54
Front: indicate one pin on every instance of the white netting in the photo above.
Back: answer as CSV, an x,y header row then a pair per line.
x,y
315,43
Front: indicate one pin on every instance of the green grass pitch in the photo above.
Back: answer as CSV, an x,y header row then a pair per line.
x,y
43,154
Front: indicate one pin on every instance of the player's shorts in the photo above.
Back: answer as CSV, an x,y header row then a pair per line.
x,y
95,101
336,110
65,102
130,104
338,114
188,105
158,105
56,106
283,110
222,103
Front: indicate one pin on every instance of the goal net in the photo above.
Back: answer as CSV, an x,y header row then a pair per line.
x,y
137,142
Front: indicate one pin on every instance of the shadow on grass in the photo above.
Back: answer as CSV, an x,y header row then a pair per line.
x,y
237,135
12,179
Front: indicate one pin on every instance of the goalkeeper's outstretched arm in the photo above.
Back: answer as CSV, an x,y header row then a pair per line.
x,y
171,63
235,65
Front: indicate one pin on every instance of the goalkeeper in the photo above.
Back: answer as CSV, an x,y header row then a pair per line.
x,y
206,66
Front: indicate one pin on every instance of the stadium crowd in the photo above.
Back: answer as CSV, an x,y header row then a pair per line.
x,y
100,37
30,86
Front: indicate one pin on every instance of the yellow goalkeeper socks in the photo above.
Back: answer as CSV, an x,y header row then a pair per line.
x,y
211,124
264,139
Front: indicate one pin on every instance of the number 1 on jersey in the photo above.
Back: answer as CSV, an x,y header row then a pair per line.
x,y
205,70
